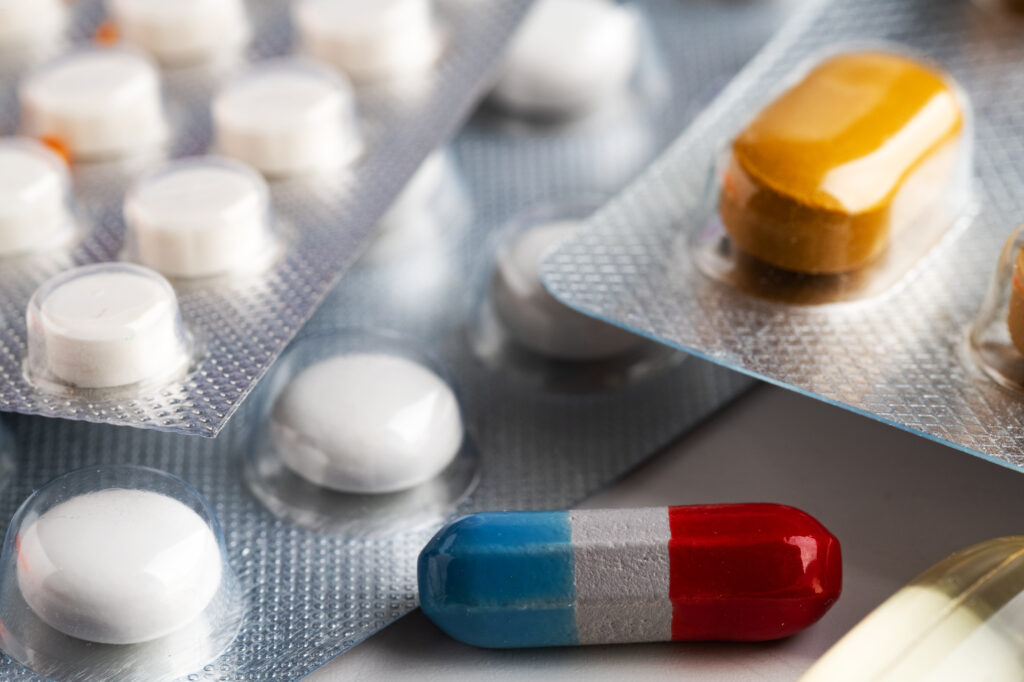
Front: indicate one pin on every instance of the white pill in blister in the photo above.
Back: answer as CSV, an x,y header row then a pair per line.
x,y
118,566
536,319
199,217
367,423
413,218
182,30
95,103
287,116
568,56
100,326
25,22
384,39
34,190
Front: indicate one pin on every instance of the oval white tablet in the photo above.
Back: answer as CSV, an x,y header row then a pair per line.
x,y
413,218
287,116
183,30
378,40
118,566
96,103
367,423
106,325
199,217
25,23
567,57
536,319
34,197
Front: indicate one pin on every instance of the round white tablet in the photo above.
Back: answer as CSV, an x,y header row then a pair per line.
x,y
118,566
412,220
367,423
536,319
106,325
199,217
568,56
96,103
287,116
34,196
377,40
24,23
183,30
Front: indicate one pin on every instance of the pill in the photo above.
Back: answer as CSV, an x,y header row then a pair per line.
x,y
959,620
198,217
106,325
24,23
412,219
287,116
1015,319
118,566
822,177
537,320
34,197
744,572
96,103
370,41
182,31
366,423
568,57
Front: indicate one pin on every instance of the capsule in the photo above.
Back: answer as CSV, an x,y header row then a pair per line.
x,y
959,620
1015,318
820,180
744,572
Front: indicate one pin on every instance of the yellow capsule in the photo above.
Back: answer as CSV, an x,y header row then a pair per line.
x,y
963,619
820,180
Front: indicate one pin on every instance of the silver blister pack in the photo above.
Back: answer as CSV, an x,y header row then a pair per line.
x,y
901,356
241,324
312,593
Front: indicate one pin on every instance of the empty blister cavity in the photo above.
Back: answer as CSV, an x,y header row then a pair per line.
x,y
567,58
119,573
360,434
106,326
183,31
995,339
27,24
95,103
35,198
287,117
959,620
518,325
200,217
370,41
842,183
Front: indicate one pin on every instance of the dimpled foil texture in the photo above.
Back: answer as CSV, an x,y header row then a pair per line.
x,y
312,595
900,357
242,324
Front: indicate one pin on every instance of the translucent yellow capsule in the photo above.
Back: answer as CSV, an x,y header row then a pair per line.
x,y
962,620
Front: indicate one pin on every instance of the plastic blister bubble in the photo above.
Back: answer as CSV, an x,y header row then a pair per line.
x,y
246,321
899,357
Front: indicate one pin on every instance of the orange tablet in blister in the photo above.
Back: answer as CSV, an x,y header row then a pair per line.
x,y
826,174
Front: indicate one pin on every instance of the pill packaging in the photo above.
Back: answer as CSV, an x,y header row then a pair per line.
x,y
920,354
314,221
537,435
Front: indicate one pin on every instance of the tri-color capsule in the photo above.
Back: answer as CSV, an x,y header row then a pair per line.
x,y
742,572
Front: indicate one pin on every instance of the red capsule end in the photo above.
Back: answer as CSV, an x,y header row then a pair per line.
x,y
749,572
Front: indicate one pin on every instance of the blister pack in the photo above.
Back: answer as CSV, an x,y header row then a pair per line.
x,y
323,553
870,277
248,259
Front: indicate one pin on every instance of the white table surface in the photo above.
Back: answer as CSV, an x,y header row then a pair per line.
x,y
897,502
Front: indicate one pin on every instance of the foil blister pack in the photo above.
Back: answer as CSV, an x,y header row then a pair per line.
x,y
917,352
317,572
328,183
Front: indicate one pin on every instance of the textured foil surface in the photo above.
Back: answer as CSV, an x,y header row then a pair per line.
x,y
244,323
312,595
900,357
